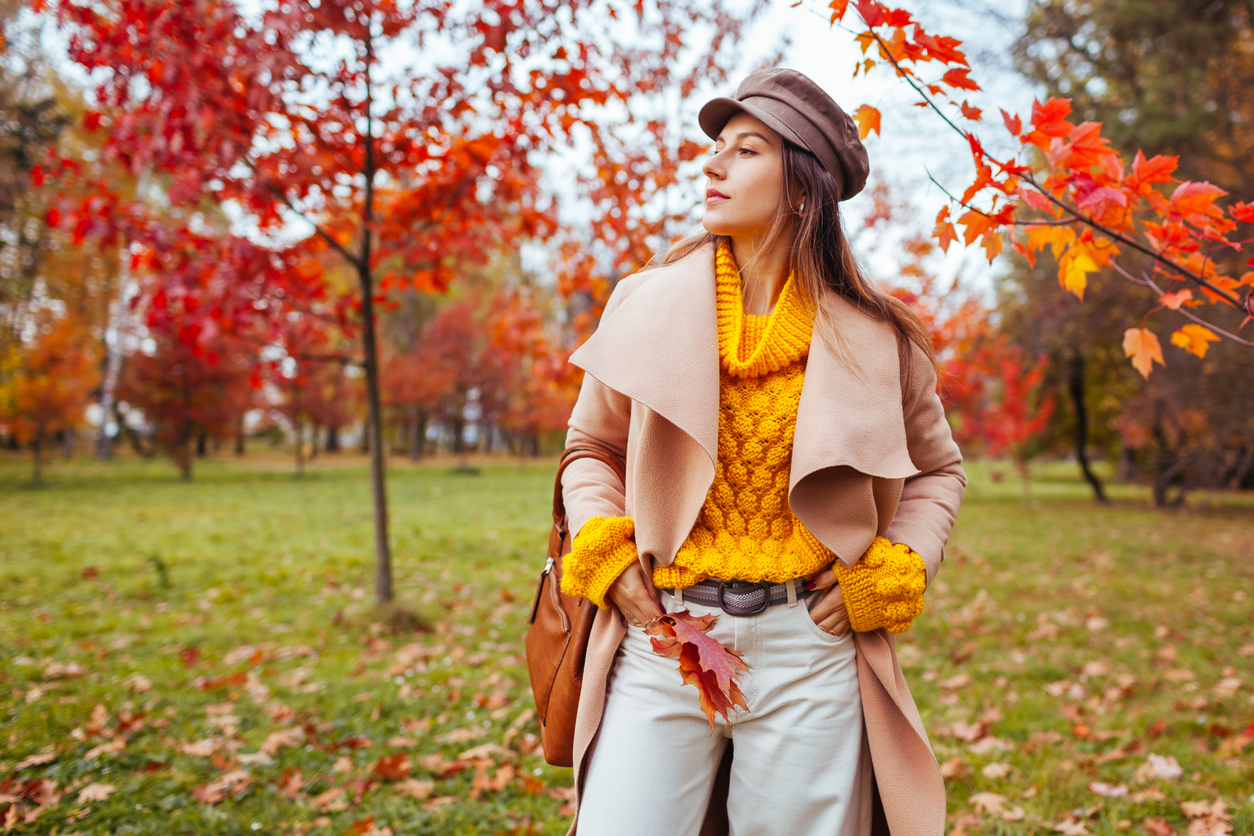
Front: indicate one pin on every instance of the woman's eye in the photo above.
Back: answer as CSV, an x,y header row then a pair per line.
x,y
745,152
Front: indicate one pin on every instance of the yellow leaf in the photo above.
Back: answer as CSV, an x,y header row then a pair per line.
x,y
1074,269
1142,346
1194,339
1057,237
868,119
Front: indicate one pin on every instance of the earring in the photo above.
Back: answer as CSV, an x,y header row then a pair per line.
x,y
802,207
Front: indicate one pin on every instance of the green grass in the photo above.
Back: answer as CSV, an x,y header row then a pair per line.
x,y
1062,644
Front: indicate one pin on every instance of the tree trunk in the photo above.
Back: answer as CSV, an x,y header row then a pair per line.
x,y
314,431
67,443
333,440
300,449
38,476
1076,387
239,436
378,482
201,446
185,453
415,433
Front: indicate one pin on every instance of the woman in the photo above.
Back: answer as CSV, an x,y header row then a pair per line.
x,y
789,468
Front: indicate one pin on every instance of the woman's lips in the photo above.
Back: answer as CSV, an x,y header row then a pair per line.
x,y
714,196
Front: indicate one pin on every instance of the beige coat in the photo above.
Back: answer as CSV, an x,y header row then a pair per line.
x,y
867,459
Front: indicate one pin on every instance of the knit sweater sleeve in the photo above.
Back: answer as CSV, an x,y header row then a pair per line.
x,y
601,551
884,588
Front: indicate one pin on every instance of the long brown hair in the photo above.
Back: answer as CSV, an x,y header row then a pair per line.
x,y
821,258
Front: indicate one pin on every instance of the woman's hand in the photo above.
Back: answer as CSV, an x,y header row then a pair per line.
x,y
635,596
829,614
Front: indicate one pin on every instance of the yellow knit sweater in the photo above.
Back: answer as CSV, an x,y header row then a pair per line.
x,y
746,529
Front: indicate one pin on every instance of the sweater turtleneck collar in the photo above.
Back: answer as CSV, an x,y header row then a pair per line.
x,y
751,345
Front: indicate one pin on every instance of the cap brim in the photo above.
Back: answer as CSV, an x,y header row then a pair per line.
x,y
716,113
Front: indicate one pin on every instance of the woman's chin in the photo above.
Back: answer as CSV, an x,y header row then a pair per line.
x,y
713,226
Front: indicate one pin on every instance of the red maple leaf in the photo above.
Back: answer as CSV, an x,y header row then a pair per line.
x,y
704,663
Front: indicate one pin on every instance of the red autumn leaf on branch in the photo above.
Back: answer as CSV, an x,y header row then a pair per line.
x,y
704,663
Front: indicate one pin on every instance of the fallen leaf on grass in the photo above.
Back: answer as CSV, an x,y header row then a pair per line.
x,y
331,801
415,789
291,783
440,767
703,662
1109,790
1236,743
1207,818
1070,828
256,759
1158,827
461,735
392,767
115,745
284,737
996,770
1015,813
439,801
95,792
988,802
229,785
1157,766
199,749
402,742
1152,794
46,756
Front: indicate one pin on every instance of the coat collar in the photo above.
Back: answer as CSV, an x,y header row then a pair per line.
x,y
659,346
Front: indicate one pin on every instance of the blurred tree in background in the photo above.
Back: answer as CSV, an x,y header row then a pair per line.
x,y
1169,78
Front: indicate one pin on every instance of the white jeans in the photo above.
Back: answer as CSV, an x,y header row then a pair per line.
x,y
800,766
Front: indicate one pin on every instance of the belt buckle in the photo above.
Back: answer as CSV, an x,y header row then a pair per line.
x,y
765,586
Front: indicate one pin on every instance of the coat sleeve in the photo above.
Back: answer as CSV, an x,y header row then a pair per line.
x,y
591,488
929,501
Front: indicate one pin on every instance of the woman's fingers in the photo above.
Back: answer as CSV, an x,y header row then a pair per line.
x,y
821,580
836,624
635,596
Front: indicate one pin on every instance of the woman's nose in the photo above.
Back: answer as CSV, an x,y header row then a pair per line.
x,y
711,168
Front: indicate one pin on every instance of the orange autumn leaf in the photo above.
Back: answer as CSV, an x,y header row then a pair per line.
x,y
868,119
959,78
944,232
1143,347
704,663
1175,300
1194,339
972,113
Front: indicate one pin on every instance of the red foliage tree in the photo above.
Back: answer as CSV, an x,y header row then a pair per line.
x,y
186,392
409,175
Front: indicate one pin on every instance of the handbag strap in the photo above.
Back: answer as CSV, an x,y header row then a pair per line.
x,y
583,450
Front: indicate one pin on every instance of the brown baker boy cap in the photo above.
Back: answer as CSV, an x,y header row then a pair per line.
x,y
796,108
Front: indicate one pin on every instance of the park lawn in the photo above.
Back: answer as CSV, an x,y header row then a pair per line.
x,y
204,657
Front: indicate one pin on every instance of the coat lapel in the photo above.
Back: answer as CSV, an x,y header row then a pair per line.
x,y
659,346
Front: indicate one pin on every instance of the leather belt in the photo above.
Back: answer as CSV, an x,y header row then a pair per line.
x,y
741,597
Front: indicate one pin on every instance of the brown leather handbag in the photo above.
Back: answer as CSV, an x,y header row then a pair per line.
x,y
557,635
557,642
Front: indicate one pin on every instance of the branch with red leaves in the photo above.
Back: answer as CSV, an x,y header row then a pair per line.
x,y
1067,190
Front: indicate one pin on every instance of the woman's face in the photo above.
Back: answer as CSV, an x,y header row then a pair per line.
x,y
744,179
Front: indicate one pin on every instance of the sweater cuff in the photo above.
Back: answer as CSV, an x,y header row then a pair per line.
x,y
601,551
884,588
